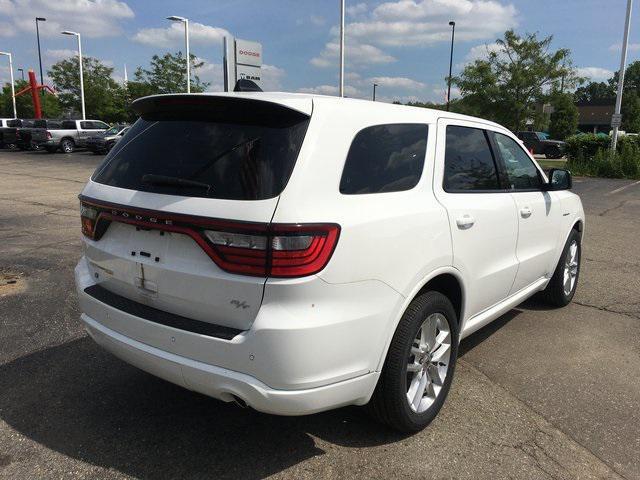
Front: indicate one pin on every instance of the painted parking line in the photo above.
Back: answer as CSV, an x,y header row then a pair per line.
x,y
618,190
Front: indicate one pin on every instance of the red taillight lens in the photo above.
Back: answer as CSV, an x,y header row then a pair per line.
x,y
48,134
88,217
244,248
282,251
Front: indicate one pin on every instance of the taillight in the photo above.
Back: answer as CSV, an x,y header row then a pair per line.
x,y
48,134
281,251
88,216
244,248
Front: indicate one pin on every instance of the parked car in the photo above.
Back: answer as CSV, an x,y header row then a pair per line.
x,y
9,133
32,137
539,143
4,126
23,133
296,253
71,135
104,141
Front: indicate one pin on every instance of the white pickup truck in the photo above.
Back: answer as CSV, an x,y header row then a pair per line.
x,y
70,136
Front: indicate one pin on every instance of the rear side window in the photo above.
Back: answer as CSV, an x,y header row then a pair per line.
x,y
468,162
234,161
69,125
385,158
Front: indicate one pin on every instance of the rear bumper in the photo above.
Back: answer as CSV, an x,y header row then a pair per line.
x,y
224,384
314,346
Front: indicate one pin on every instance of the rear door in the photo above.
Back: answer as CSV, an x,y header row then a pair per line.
x,y
538,212
482,214
186,197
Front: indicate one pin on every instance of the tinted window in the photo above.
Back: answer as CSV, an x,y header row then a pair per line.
x,y
14,123
468,161
69,125
385,158
86,125
236,161
522,173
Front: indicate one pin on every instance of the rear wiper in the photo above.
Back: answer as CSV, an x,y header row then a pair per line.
x,y
163,180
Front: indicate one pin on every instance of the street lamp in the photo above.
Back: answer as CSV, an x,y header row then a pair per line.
x,y
374,91
39,19
13,92
67,32
623,63
175,18
453,34
21,70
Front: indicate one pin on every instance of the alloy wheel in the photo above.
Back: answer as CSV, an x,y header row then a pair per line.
x,y
428,362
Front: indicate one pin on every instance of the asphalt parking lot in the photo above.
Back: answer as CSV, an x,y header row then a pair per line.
x,y
538,394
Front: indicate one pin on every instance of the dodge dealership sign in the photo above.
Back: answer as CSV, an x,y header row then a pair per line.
x,y
242,59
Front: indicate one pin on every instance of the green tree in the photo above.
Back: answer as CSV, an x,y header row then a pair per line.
x,y
506,86
166,74
104,97
630,112
594,92
24,104
564,119
631,78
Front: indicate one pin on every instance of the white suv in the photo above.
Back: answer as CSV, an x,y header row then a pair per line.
x,y
297,253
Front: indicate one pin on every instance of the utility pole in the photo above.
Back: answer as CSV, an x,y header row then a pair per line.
x,y
453,35
623,63
342,48
40,19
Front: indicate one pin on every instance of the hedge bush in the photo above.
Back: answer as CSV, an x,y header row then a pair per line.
x,y
625,163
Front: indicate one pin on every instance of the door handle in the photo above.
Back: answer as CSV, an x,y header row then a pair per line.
x,y
525,212
465,221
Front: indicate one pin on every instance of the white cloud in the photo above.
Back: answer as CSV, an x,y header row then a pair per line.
x,y
92,18
333,90
403,23
358,54
60,54
420,22
398,82
632,47
481,52
596,74
357,10
173,35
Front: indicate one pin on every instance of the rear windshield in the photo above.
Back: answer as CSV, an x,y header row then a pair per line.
x,y
226,160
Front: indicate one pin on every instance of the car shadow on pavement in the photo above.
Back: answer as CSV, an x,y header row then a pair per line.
x,y
476,338
80,401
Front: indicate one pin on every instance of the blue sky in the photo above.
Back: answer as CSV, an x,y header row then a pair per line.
x,y
402,45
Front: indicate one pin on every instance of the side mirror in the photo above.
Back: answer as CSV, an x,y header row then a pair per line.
x,y
559,179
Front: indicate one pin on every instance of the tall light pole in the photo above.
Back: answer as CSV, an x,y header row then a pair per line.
x,y
40,19
342,48
21,70
175,18
623,64
13,92
374,91
67,32
453,36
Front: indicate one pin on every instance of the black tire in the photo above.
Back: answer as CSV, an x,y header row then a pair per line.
x,y
555,294
67,145
389,402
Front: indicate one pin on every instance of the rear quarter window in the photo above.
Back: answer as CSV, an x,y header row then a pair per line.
x,y
385,158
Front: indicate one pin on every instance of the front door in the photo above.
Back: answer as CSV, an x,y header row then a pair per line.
x,y
538,213
482,214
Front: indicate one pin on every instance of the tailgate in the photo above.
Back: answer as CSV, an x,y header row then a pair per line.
x,y
178,215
